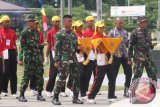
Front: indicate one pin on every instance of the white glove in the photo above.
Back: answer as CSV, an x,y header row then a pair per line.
x,y
46,61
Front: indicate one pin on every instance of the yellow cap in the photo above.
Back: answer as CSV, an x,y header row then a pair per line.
x,y
89,18
0,20
73,23
56,18
78,23
5,17
98,24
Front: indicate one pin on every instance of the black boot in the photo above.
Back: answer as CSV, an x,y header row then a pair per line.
x,y
40,97
22,97
55,100
126,93
76,100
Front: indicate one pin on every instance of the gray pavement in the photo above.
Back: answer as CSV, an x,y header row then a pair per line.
x,y
66,102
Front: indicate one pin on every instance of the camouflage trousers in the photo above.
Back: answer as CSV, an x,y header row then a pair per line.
x,y
30,69
64,70
149,67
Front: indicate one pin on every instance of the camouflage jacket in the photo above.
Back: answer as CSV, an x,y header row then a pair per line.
x,y
140,45
65,46
30,47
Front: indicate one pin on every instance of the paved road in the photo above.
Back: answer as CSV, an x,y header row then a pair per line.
x,y
66,102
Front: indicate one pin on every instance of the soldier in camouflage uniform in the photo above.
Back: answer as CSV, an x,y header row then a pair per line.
x,y
141,45
30,49
65,48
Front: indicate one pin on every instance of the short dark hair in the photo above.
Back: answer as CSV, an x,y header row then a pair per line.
x,y
67,16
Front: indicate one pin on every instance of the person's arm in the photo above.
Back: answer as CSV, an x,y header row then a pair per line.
x,y
132,43
48,39
22,48
150,41
57,47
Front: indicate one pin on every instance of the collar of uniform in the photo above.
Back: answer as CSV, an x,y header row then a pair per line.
x,y
70,31
118,29
29,29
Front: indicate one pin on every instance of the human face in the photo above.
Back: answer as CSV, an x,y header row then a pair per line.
x,y
119,24
6,24
143,25
80,28
100,30
32,24
90,23
67,23
56,24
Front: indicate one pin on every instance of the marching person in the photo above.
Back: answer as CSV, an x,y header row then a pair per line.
x,y
53,71
102,67
121,55
91,66
65,48
79,33
1,61
33,61
140,50
8,39
33,79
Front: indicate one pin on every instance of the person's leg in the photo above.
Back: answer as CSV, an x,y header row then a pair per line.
x,y
13,72
94,67
100,74
88,69
52,77
1,70
24,82
40,80
33,80
74,71
137,70
128,75
151,70
116,64
82,80
112,81
62,75
69,83
5,76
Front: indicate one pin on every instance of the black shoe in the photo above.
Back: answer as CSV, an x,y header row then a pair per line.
x,y
22,99
112,97
126,93
56,101
40,98
77,101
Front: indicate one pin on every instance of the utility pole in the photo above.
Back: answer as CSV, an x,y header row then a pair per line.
x,y
70,7
158,22
128,16
62,3
99,9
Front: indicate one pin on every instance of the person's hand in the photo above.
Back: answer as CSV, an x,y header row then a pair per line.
x,y
80,47
46,61
130,62
154,44
56,64
20,63
44,44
